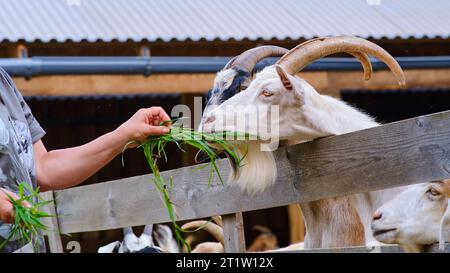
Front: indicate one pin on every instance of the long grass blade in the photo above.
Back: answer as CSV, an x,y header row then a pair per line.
x,y
154,148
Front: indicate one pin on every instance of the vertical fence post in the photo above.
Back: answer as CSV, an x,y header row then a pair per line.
x,y
54,238
233,232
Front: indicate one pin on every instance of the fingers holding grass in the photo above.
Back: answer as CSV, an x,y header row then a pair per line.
x,y
26,215
156,130
7,212
158,115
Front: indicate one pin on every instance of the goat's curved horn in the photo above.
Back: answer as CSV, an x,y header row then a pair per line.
x,y
304,54
248,59
210,227
362,58
230,63
365,62
218,220
127,230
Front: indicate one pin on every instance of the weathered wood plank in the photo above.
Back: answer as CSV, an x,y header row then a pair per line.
x,y
53,236
233,232
406,152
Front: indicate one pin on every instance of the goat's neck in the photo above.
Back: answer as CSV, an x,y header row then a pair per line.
x,y
339,118
332,222
329,116
325,116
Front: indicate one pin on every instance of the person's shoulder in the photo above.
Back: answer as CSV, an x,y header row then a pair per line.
x,y
7,85
6,77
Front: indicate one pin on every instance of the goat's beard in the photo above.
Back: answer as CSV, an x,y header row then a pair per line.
x,y
257,170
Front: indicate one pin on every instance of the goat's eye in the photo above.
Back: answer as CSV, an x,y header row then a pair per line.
x,y
242,87
433,192
266,93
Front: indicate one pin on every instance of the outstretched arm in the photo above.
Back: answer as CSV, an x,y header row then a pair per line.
x,y
64,168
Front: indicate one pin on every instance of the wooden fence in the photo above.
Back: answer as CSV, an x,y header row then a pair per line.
x,y
407,152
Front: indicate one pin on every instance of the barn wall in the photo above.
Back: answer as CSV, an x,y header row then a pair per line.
x,y
326,82
389,106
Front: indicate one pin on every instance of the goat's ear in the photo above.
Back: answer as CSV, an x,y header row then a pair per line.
x,y
148,230
109,248
284,77
444,229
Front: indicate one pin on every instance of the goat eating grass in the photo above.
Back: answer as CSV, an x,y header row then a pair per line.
x,y
303,115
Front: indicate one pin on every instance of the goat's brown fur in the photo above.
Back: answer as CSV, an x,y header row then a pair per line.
x,y
333,212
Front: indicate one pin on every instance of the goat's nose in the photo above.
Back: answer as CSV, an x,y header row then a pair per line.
x,y
210,119
377,216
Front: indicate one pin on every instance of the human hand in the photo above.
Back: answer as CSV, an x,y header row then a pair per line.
x,y
6,208
143,123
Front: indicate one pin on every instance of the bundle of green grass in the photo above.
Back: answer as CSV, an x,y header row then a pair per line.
x,y
27,225
154,148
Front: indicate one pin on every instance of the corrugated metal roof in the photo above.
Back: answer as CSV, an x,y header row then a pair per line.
x,y
166,20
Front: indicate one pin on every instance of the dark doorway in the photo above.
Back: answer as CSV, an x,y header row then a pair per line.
x,y
393,105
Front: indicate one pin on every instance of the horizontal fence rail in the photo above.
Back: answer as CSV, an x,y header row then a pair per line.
x,y
400,153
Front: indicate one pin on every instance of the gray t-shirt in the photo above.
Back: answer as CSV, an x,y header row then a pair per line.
x,y
18,131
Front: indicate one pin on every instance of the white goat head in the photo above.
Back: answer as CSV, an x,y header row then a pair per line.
x,y
418,216
300,113
234,78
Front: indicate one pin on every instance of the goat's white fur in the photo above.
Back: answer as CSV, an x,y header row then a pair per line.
x,y
260,169
164,239
109,248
